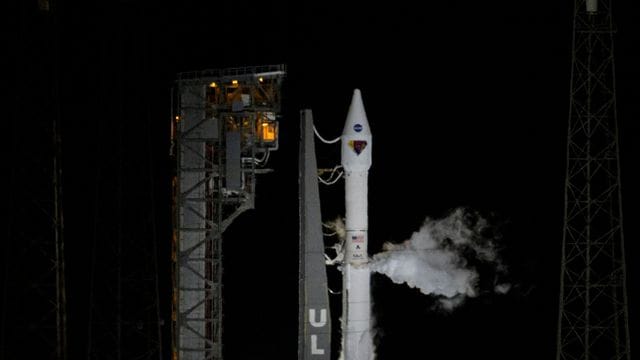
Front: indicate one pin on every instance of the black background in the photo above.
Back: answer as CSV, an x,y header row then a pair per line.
x,y
467,102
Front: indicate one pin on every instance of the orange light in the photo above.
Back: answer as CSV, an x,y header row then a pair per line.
x,y
234,82
260,79
213,85
268,132
177,118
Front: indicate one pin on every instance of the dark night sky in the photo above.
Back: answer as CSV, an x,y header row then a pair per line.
x,y
467,101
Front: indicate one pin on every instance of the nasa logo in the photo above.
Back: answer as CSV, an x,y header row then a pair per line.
x,y
357,127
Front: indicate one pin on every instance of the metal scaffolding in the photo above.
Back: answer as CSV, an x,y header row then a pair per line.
x,y
124,319
593,314
33,317
225,124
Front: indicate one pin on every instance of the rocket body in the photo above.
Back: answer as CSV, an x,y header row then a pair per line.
x,y
357,342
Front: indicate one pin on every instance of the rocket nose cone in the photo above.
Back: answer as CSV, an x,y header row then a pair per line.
x,y
356,118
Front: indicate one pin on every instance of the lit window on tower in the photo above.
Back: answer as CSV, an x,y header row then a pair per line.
x,y
268,132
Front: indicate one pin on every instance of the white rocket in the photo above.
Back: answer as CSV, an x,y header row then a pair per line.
x,y
357,342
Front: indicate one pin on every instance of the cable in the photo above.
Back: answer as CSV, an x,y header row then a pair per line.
x,y
330,182
333,171
323,139
264,159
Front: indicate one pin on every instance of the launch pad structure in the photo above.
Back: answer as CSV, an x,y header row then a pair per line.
x,y
593,314
224,126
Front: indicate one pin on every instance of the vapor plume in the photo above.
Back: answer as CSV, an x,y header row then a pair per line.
x,y
445,259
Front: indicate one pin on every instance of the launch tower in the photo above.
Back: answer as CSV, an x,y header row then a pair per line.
x,y
593,315
33,305
225,124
